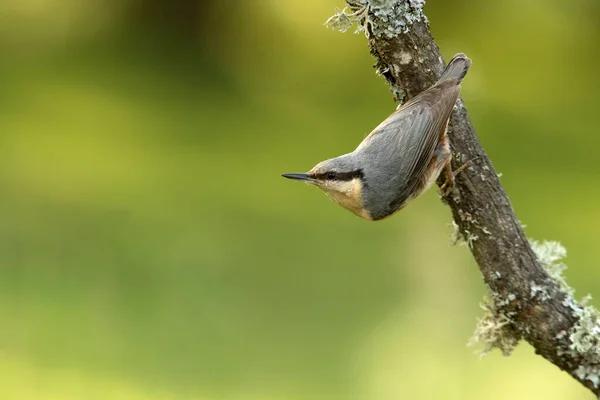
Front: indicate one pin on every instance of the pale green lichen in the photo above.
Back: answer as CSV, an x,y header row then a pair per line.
x,y
523,226
466,238
455,235
584,336
550,254
342,20
470,238
493,330
540,291
581,342
584,340
387,18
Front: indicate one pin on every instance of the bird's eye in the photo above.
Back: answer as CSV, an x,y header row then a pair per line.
x,y
331,175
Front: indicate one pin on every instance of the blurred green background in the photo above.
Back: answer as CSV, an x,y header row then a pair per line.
x,y
150,249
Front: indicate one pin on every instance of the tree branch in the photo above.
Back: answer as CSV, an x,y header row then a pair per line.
x,y
528,300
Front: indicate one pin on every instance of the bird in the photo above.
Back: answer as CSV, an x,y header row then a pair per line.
x,y
401,158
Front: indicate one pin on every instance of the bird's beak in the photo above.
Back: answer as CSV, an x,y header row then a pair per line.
x,y
299,177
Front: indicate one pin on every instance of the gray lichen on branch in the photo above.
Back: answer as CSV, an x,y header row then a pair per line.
x,y
494,329
584,336
529,298
386,18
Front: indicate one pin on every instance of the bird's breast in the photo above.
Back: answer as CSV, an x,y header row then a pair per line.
x,y
349,196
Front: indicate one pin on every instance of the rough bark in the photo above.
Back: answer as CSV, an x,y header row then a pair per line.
x,y
412,62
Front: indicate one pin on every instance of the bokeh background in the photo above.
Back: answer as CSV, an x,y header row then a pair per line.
x,y
149,248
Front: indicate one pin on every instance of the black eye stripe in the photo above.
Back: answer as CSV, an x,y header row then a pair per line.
x,y
340,176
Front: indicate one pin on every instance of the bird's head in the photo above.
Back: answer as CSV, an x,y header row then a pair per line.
x,y
341,179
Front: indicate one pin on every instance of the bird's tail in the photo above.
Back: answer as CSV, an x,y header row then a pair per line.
x,y
457,68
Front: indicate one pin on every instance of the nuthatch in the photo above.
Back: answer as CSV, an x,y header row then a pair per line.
x,y
401,158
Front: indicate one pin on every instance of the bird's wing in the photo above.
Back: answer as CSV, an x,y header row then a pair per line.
x,y
407,139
